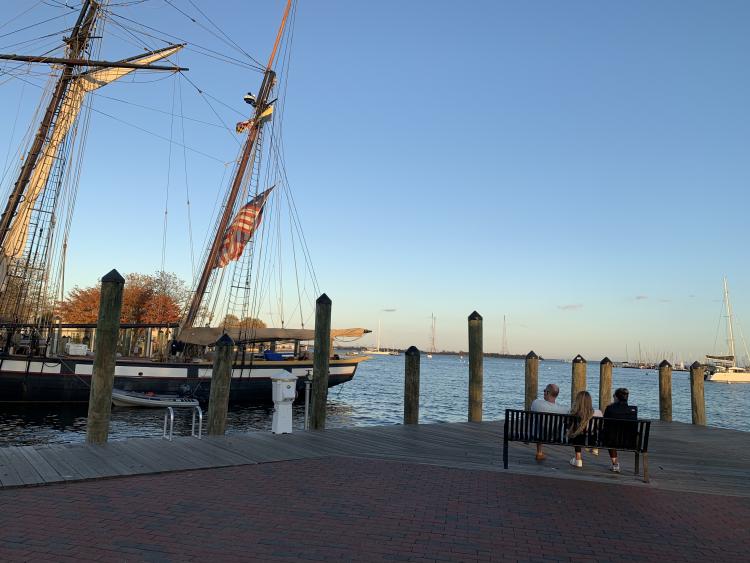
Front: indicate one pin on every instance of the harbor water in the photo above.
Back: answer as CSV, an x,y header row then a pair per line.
x,y
375,397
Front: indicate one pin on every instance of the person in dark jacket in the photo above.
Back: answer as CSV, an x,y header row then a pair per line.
x,y
620,410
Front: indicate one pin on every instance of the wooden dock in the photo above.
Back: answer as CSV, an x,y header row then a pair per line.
x,y
683,457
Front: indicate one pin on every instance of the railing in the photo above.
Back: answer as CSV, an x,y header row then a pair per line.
x,y
169,423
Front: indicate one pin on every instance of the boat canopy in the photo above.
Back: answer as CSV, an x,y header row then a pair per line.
x,y
207,336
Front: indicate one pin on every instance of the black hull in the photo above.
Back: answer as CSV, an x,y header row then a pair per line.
x,y
30,387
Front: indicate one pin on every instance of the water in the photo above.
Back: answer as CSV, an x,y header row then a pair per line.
x,y
375,396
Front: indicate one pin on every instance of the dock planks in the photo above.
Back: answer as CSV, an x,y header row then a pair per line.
x,y
683,457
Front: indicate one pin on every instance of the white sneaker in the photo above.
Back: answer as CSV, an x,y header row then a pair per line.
x,y
593,451
615,468
576,462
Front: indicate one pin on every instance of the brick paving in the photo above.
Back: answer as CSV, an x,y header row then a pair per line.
x,y
349,509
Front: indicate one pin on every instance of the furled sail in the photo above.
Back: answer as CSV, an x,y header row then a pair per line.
x,y
207,336
71,107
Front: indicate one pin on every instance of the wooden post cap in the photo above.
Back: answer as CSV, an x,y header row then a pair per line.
x,y
606,360
323,300
475,316
412,351
696,364
666,364
225,340
113,277
531,355
579,360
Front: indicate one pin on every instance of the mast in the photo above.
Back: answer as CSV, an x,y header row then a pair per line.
x,y
432,335
730,328
504,349
77,43
247,151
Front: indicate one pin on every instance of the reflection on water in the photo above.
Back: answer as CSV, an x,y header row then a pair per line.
x,y
375,396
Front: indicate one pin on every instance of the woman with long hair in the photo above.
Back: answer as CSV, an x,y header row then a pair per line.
x,y
582,409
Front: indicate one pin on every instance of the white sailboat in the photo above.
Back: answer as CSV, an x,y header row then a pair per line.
x,y
726,368
377,351
432,338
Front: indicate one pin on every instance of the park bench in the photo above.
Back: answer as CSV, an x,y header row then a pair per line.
x,y
605,433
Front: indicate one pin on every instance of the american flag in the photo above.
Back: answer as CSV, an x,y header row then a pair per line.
x,y
241,230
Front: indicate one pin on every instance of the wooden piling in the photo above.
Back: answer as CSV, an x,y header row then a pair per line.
x,y
411,386
103,374
321,363
665,391
476,373
221,381
697,400
531,388
578,379
605,383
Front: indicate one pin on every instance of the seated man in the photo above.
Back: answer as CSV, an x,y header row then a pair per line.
x,y
547,404
619,410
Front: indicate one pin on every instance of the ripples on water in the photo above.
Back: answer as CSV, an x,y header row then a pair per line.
x,y
375,396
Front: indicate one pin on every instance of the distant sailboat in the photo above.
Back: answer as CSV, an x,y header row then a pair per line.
x,y
432,338
377,351
726,368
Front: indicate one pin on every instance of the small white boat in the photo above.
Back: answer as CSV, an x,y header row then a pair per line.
x,y
122,398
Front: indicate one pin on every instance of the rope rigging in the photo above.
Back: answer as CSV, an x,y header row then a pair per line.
x,y
255,284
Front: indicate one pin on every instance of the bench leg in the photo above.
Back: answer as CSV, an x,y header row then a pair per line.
x,y
645,467
505,454
637,464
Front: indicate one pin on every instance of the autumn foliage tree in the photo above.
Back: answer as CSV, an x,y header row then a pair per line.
x,y
149,299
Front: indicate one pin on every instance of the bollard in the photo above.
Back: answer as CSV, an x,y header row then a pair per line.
x,y
578,379
605,383
665,391
221,381
411,386
103,374
531,388
321,362
476,374
697,400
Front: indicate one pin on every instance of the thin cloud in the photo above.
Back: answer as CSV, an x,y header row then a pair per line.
x,y
641,297
570,307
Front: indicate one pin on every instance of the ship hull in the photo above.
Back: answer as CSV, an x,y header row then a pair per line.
x,y
729,377
68,379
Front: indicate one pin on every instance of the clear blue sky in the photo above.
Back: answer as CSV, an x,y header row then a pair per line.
x,y
581,167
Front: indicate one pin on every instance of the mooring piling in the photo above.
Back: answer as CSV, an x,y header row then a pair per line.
x,y
476,374
531,377
321,362
697,399
605,383
103,374
665,391
411,386
578,377
221,381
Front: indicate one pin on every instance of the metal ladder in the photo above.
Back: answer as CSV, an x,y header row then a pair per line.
x,y
169,423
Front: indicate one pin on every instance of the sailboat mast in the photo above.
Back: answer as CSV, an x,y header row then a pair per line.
x,y
77,42
247,151
730,328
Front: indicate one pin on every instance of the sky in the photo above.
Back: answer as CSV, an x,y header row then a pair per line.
x,y
580,168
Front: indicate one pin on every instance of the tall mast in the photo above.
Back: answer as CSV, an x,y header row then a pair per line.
x,y
77,43
730,328
247,151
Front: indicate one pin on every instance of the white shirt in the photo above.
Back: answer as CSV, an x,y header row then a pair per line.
x,y
541,405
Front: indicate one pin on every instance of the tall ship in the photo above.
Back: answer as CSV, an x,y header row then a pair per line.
x,y
724,368
48,358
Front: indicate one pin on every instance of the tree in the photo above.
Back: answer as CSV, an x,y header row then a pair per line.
x,y
149,299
